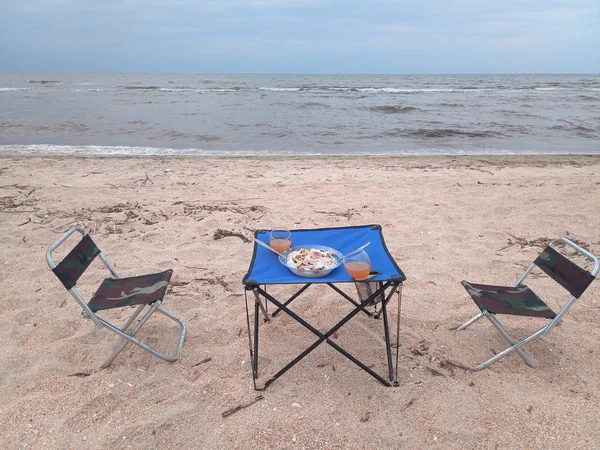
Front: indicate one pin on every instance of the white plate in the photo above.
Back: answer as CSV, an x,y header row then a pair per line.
x,y
283,259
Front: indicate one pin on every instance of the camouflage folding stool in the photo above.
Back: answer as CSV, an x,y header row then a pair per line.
x,y
520,300
114,292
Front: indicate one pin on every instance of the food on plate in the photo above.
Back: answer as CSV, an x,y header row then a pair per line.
x,y
311,259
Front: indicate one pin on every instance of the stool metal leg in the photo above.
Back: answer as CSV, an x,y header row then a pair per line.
x,y
129,336
510,339
121,345
470,322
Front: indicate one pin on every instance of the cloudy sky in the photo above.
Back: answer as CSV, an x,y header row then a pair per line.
x,y
301,36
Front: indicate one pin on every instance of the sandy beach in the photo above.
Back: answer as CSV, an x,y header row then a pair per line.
x,y
445,219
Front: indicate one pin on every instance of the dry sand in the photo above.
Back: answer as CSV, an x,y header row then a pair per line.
x,y
444,220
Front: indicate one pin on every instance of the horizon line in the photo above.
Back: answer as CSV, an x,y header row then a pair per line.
x,y
303,73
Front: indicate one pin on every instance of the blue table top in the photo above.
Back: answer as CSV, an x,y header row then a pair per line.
x,y
265,267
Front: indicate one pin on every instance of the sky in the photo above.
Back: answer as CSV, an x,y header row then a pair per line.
x,y
300,36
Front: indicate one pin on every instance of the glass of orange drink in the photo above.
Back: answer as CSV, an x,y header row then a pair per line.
x,y
280,239
358,265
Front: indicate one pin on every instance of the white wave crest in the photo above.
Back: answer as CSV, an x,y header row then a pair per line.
x,y
277,89
101,150
7,89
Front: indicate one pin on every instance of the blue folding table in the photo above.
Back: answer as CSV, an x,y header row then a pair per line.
x,y
385,280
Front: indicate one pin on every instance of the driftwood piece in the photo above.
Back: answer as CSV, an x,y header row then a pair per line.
x,y
539,242
450,365
347,214
204,361
144,180
80,374
242,405
480,170
435,372
182,283
409,404
220,234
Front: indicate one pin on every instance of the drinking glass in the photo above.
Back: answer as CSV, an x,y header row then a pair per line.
x,y
358,265
280,239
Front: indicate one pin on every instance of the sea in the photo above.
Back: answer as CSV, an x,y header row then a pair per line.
x,y
261,114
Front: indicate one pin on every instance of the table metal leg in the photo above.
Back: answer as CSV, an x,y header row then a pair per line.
x,y
386,330
378,313
262,307
350,299
255,359
396,383
291,299
388,347
250,346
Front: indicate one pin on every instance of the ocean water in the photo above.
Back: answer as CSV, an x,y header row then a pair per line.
x,y
143,114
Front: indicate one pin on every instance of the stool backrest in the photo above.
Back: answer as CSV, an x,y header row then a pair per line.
x,y
70,269
564,271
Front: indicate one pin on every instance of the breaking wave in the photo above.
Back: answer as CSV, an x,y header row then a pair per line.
x,y
124,151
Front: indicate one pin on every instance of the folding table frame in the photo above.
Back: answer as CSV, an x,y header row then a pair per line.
x,y
265,269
